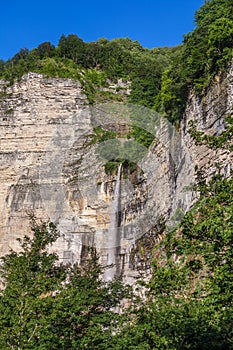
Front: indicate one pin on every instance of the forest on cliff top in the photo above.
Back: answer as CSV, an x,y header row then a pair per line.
x,y
160,78
187,303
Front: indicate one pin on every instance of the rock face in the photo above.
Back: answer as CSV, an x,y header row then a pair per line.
x,y
209,115
31,112
51,166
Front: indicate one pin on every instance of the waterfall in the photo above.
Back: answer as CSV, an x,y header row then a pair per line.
x,y
113,240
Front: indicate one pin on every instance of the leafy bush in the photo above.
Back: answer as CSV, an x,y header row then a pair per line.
x,y
48,305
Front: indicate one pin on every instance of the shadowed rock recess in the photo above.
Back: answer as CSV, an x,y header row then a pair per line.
x,y
50,167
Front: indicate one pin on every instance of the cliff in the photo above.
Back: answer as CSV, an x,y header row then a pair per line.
x,y
51,166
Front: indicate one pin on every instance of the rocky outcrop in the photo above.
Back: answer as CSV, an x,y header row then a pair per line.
x,y
50,165
31,112
209,115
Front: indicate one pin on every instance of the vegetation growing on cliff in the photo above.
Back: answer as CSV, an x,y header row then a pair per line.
x,y
46,305
189,298
223,140
206,52
160,78
95,64
188,303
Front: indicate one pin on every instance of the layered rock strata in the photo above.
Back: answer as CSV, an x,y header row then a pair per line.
x,y
50,166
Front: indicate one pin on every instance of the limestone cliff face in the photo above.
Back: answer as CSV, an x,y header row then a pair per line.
x,y
31,112
209,115
50,166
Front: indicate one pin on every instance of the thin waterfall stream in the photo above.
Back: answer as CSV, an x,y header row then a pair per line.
x,y
113,239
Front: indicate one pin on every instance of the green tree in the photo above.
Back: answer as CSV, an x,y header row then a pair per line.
x,y
220,43
46,49
46,305
206,51
26,277
72,47
22,54
189,297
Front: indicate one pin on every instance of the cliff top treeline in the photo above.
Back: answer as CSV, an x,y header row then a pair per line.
x,y
160,77
187,303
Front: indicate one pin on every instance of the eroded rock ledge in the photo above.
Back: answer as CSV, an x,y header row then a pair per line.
x,y
48,167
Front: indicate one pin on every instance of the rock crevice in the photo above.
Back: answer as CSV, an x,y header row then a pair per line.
x,y
47,166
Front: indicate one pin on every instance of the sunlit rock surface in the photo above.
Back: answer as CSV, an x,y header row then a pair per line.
x,y
50,167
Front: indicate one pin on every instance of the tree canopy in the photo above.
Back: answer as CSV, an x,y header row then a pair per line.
x,y
187,304
206,51
188,299
160,78
47,305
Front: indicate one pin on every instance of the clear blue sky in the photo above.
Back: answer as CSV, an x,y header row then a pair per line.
x,y
27,23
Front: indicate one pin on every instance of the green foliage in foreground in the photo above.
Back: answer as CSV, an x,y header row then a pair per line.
x,y
189,299
188,302
45,305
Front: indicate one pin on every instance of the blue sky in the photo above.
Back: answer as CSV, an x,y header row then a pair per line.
x,y
153,23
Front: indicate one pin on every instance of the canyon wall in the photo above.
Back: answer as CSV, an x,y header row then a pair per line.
x,y
49,165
